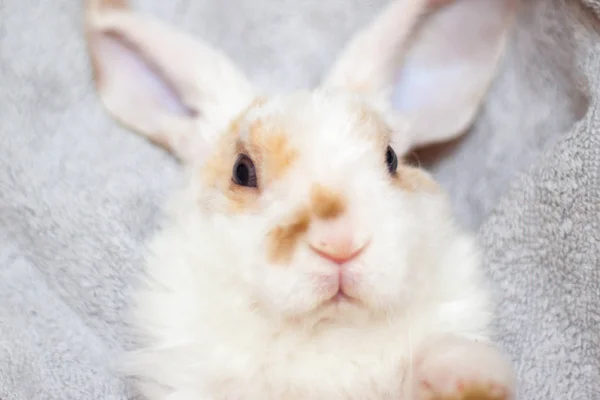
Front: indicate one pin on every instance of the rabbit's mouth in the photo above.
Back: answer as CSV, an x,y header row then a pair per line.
x,y
341,297
338,286
340,308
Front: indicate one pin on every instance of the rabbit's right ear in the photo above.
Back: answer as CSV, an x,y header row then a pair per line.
x,y
429,61
174,90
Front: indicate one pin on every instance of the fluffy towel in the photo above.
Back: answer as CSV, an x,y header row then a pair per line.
x,y
79,196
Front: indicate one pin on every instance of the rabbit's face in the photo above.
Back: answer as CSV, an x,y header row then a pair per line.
x,y
318,213
323,215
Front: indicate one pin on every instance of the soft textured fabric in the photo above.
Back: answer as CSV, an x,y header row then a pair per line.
x,y
79,196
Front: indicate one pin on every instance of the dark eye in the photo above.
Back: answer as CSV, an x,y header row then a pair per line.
x,y
244,173
391,160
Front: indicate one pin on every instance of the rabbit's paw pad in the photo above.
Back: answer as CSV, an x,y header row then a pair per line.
x,y
460,369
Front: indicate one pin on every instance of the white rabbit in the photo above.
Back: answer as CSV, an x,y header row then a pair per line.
x,y
302,259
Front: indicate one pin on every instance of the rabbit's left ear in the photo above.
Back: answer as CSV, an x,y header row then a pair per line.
x,y
431,66
169,87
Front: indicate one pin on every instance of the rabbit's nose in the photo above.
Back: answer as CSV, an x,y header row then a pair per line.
x,y
339,251
335,241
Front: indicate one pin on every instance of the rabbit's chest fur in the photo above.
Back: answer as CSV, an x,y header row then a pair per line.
x,y
206,340
227,352
258,362
367,363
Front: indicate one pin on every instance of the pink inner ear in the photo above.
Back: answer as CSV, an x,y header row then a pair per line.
x,y
123,64
449,67
421,86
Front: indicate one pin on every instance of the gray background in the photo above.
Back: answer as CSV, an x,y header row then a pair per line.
x,y
79,196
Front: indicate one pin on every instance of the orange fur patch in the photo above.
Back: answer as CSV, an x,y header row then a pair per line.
x,y
413,179
217,174
282,240
267,146
472,393
326,204
271,146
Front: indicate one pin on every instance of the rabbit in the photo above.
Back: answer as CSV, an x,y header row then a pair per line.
x,y
303,258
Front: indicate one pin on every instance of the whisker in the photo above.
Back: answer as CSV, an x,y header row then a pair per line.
x,y
415,155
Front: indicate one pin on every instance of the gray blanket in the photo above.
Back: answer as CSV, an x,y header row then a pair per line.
x,y
79,196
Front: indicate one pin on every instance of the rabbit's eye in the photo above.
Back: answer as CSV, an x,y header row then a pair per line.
x,y
391,160
244,173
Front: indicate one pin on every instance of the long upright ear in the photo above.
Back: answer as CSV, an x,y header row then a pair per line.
x,y
432,66
166,86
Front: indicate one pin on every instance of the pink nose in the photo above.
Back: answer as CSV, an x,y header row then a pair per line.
x,y
335,241
339,251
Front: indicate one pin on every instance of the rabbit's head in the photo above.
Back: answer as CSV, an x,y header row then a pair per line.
x,y
302,199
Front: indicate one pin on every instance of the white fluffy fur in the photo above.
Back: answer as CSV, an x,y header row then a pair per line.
x,y
217,319
222,321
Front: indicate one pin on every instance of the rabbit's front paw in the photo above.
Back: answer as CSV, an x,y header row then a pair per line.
x,y
462,369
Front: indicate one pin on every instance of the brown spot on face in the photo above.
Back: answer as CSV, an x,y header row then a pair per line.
x,y
267,146
279,156
413,179
217,174
282,240
218,168
326,204
270,143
